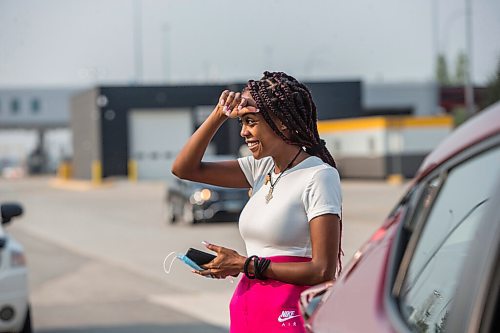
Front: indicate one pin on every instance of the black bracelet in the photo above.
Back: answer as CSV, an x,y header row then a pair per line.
x,y
260,267
256,262
265,265
245,266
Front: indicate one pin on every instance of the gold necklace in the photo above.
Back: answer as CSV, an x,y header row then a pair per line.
x,y
269,195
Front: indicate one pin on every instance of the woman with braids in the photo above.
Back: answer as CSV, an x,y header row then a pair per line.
x,y
292,223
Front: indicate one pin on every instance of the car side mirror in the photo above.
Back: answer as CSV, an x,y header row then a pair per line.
x,y
10,210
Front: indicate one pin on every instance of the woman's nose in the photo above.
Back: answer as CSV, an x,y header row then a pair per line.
x,y
244,131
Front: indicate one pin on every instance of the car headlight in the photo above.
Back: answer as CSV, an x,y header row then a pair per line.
x,y
201,196
17,259
205,194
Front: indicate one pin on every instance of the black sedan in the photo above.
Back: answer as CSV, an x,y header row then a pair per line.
x,y
191,202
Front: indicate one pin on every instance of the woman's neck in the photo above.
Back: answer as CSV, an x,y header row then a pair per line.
x,y
286,155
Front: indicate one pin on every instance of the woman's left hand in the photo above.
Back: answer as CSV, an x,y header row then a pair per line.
x,y
228,262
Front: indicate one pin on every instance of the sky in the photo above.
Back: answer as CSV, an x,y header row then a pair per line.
x,y
70,43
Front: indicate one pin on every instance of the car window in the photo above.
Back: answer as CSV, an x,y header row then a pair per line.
x,y
450,227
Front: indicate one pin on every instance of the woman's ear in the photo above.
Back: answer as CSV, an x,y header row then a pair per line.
x,y
282,126
284,129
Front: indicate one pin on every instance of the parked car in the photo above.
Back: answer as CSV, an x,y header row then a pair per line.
x,y
434,264
14,302
192,202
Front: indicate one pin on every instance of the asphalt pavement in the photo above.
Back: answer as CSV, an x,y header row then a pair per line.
x,y
96,254
72,293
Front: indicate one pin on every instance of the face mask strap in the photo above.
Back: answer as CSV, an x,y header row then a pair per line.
x,y
167,271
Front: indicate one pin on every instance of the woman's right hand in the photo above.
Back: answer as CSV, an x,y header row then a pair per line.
x,y
232,103
228,262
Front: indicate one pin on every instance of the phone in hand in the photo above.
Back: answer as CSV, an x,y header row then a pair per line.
x,y
185,259
199,257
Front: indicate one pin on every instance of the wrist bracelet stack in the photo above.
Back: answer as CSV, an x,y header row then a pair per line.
x,y
259,264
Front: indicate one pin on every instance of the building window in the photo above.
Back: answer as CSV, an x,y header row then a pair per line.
x,y
14,106
35,105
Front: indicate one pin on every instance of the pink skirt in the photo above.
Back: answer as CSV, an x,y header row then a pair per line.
x,y
267,305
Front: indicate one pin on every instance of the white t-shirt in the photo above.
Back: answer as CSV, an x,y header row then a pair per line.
x,y
281,227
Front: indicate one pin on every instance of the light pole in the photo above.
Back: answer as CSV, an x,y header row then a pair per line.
x,y
137,36
469,88
435,41
165,28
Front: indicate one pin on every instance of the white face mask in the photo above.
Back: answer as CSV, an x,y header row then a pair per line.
x,y
181,257
185,260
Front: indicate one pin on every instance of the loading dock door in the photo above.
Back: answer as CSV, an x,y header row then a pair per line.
x,y
155,139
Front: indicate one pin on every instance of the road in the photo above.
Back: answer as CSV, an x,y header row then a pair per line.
x,y
96,255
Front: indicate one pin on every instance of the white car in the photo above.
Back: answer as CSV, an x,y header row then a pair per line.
x,y
14,301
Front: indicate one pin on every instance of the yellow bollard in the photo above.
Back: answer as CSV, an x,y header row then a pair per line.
x,y
64,171
96,172
132,170
395,179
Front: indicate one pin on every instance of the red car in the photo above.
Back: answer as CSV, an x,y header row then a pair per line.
x,y
434,264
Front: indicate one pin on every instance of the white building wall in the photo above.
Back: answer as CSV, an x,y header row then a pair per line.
x,y
369,142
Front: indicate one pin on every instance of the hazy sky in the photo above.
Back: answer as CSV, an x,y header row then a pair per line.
x,y
80,42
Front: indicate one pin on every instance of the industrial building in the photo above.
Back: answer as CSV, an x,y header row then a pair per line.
x,y
34,128
138,131
383,146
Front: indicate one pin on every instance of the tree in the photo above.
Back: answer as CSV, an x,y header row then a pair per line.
x,y
442,71
492,93
461,69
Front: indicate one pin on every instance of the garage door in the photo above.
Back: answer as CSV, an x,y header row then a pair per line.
x,y
155,138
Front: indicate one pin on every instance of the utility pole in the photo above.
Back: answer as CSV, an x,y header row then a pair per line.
x,y
436,51
165,29
469,85
435,35
137,19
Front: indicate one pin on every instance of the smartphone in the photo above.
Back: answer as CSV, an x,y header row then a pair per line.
x,y
189,262
199,257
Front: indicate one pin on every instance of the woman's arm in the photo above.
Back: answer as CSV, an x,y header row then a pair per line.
x,y
188,164
325,237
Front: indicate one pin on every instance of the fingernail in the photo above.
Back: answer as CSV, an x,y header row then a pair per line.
x,y
225,108
240,107
205,243
257,111
221,101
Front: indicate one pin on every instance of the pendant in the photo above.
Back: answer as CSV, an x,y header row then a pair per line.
x,y
268,178
269,195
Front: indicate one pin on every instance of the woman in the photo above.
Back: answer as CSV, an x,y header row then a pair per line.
x,y
292,223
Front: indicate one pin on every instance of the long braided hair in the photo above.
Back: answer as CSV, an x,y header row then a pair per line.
x,y
281,96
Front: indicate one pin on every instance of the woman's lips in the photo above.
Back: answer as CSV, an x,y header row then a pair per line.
x,y
253,145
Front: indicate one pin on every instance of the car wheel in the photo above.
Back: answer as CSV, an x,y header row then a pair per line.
x,y
187,214
27,322
168,213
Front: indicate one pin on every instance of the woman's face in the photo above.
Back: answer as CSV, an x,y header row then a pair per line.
x,y
259,136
